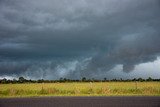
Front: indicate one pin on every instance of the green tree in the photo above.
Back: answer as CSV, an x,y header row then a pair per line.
x,y
149,79
140,79
105,79
22,79
4,81
84,79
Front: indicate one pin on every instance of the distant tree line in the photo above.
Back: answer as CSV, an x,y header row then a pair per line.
x,y
63,80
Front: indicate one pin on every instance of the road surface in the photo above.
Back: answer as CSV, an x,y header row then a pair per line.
x,y
81,102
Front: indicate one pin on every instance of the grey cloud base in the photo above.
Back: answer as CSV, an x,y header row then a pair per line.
x,y
75,38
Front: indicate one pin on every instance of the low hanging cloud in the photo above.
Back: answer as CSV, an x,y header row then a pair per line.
x,y
75,38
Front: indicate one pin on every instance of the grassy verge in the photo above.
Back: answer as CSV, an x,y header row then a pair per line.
x,y
81,89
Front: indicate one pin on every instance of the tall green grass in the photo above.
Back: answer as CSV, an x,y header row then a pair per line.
x,y
81,89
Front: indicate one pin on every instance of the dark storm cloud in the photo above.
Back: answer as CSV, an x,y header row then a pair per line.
x,y
76,38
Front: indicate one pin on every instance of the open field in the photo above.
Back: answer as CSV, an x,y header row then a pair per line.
x,y
81,89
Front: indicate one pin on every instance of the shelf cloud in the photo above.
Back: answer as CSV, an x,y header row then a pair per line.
x,y
76,38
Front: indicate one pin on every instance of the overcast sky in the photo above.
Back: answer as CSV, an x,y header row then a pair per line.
x,y
49,39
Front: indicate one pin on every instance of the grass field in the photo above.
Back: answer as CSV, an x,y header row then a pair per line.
x,y
81,89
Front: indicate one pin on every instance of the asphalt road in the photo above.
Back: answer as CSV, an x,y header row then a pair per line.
x,y
81,102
